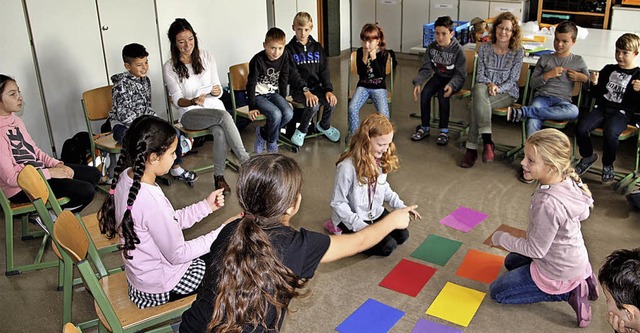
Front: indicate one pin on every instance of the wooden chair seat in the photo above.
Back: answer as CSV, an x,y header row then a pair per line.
x,y
191,133
558,124
462,93
627,133
243,111
116,289
93,228
503,111
107,143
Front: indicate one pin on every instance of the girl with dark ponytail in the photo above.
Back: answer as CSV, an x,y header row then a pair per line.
x,y
160,265
259,261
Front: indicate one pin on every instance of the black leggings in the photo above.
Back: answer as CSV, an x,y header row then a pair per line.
x,y
80,190
388,243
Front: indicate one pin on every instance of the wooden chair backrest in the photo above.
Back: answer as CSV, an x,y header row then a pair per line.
x,y
97,102
238,75
68,232
354,65
70,328
522,80
577,88
470,56
33,185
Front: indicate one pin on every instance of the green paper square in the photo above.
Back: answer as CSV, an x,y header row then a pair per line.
x,y
436,249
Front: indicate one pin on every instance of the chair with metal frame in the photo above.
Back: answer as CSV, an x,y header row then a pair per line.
x,y
115,310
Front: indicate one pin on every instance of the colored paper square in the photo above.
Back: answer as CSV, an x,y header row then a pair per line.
x,y
480,266
408,277
426,326
508,229
437,250
456,304
372,316
464,219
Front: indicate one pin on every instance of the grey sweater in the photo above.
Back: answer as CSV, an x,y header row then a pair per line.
x,y
447,62
560,87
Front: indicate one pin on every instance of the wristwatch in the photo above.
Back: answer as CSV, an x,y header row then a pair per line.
x,y
305,89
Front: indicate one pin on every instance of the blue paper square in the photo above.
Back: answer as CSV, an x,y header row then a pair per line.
x,y
371,317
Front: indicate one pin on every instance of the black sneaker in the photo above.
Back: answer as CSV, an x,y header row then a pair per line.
x,y
585,163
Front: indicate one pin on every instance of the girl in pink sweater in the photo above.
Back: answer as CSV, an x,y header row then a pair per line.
x,y
160,265
551,264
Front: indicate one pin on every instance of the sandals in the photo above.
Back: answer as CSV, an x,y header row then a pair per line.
x,y
585,164
608,175
298,138
443,139
420,134
187,176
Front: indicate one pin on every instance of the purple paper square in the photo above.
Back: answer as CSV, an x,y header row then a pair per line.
x,y
464,219
424,326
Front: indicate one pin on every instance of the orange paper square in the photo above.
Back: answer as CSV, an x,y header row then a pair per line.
x,y
480,266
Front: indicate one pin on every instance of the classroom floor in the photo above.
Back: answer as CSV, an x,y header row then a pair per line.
x,y
429,176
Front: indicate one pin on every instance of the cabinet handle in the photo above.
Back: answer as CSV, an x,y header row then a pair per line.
x,y
105,27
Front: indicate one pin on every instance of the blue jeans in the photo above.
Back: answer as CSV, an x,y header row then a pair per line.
x,y
435,85
547,107
516,285
278,113
612,121
360,96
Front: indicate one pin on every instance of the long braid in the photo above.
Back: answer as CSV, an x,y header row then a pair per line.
x,y
128,231
571,173
106,214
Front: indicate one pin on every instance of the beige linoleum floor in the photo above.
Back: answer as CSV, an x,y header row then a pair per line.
x,y
430,177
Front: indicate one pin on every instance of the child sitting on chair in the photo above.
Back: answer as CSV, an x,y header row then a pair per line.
x,y
444,66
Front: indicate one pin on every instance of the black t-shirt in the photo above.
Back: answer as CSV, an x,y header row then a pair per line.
x,y
301,251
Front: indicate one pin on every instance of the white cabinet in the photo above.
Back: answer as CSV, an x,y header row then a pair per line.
x,y
387,13
415,13
443,8
625,19
285,10
470,9
518,8
362,12
19,65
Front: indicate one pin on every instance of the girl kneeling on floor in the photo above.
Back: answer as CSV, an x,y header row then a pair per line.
x,y
551,264
160,265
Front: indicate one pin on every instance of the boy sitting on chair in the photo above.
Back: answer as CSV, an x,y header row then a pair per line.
x,y
553,77
131,96
311,61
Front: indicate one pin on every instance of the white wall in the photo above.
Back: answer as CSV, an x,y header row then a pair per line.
x,y
345,25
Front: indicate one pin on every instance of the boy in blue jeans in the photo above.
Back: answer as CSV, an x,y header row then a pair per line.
x,y
553,77
617,97
131,98
444,65
619,277
270,71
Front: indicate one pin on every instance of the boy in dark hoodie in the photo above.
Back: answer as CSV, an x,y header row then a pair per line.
x,y
311,61
131,98
444,65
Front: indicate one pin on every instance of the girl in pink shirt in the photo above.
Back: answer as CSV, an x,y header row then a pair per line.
x,y
551,264
160,265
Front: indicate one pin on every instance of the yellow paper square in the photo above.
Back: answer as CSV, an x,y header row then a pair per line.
x,y
456,304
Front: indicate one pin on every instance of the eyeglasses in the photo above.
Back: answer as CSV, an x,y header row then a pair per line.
x,y
504,29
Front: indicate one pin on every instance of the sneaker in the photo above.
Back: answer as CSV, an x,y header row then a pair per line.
x,y
331,228
443,139
578,299
515,114
469,159
35,219
592,284
258,145
187,176
585,163
487,154
298,138
272,147
421,133
220,183
522,179
332,133
608,175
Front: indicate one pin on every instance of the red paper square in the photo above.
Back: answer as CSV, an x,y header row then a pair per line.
x,y
408,277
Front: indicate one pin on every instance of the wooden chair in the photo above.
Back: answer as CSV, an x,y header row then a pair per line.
x,y
523,83
115,310
238,77
35,186
70,328
353,71
96,104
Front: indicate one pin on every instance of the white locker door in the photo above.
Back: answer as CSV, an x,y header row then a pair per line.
x,y
362,12
415,13
443,8
284,11
470,9
66,37
497,7
389,17
19,65
119,20
310,7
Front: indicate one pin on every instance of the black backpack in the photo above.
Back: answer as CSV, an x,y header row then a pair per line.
x,y
77,150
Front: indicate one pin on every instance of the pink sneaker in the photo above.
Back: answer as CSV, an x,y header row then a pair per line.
x,y
331,228
579,301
